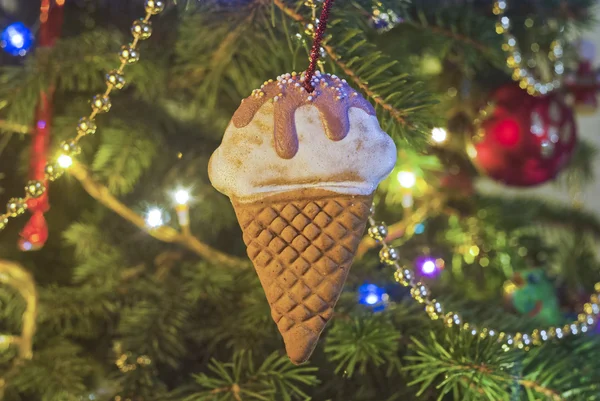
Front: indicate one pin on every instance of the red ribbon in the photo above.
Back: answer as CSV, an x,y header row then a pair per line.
x,y
315,51
35,232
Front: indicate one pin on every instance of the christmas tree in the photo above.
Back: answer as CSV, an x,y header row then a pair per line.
x,y
128,277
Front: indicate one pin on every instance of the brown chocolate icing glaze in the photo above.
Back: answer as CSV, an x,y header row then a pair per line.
x,y
333,97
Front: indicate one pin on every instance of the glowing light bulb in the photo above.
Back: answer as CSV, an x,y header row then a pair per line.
x,y
428,267
439,135
182,207
16,39
372,295
65,161
407,179
182,197
154,218
371,299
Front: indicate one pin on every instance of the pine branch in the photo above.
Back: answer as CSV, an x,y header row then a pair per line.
x,y
482,47
563,370
398,115
531,384
405,228
362,342
126,151
538,388
15,128
459,362
157,325
222,53
57,371
79,312
164,233
275,379
440,30
519,212
225,55
456,361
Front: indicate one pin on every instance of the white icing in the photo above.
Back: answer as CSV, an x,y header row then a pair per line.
x,y
246,167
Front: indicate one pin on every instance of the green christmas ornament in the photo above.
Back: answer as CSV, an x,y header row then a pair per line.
x,y
534,295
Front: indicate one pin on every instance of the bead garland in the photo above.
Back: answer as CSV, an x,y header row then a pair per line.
x,y
126,362
515,60
141,29
382,19
435,310
309,29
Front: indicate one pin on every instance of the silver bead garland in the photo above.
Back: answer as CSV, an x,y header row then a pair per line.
x,y
435,310
515,61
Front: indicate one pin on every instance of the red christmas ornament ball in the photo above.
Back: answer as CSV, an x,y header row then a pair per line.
x,y
525,140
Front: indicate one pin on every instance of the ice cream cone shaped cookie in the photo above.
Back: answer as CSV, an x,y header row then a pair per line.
x,y
300,169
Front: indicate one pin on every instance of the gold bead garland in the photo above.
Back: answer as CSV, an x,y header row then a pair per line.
x,y
141,29
125,363
515,61
435,310
310,27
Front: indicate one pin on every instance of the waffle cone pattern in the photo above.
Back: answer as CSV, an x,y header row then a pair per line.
x,y
302,245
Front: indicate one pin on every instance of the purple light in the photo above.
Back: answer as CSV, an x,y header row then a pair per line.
x,y
429,266
41,124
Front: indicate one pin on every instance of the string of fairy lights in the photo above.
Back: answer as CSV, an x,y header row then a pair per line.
x,y
516,61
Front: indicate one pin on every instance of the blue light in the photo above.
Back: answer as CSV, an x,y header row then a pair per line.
x,y
420,228
371,299
372,295
16,39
